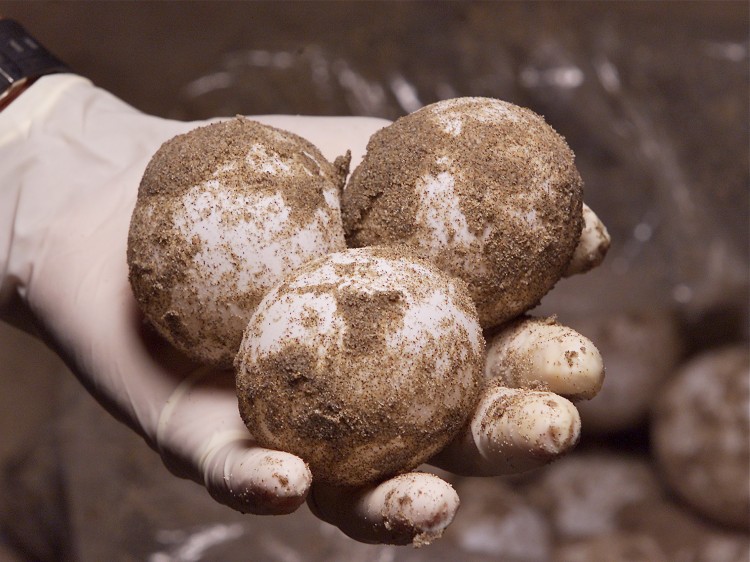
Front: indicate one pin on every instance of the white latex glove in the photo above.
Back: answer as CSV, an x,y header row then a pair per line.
x,y
71,159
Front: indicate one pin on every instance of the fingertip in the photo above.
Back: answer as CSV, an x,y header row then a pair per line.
x,y
558,424
413,508
259,481
518,430
418,507
539,352
592,247
571,363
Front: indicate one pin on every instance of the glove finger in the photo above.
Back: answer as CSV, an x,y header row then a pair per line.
x,y
201,436
413,508
512,430
592,246
539,352
255,480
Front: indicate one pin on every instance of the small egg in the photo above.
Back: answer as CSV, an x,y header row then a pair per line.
x,y
485,189
700,434
223,213
364,363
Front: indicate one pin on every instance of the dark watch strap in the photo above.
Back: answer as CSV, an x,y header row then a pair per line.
x,y
22,58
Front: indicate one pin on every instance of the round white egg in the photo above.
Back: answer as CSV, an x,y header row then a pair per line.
x,y
700,434
364,363
485,189
223,213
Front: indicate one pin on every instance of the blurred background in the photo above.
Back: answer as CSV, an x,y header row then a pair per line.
x,y
653,99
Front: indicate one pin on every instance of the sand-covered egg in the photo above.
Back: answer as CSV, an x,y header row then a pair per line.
x,y
700,434
364,363
223,212
485,189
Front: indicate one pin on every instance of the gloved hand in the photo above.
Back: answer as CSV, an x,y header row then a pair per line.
x,y
71,159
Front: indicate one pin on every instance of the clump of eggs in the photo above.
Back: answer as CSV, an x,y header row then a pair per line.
x,y
363,361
